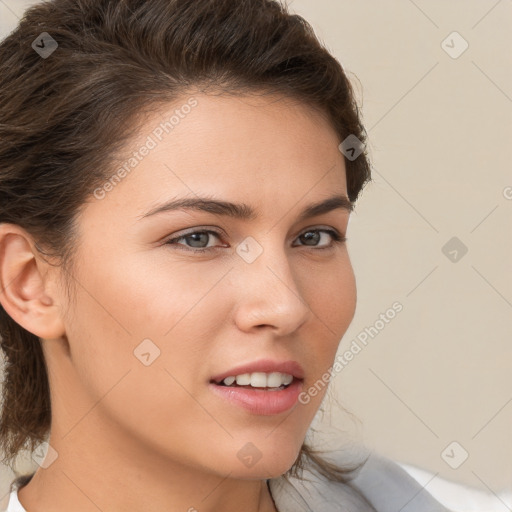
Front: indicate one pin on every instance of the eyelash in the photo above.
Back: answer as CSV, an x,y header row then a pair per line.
x,y
337,239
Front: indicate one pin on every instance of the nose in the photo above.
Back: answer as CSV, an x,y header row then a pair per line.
x,y
269,295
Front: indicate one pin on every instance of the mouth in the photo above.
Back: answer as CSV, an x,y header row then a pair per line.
x,y
259,393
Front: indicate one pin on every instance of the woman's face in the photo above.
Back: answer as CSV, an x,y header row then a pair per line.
x,y
155,320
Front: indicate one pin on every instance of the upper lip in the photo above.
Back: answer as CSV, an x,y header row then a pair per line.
x,y
263,365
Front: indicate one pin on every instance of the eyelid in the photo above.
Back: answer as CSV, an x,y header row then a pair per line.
x,y
192,231
337,238
221,232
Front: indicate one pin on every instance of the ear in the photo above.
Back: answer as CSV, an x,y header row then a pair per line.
x,y
28,290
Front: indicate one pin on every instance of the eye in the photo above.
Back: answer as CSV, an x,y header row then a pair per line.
x,y
198,241
313,237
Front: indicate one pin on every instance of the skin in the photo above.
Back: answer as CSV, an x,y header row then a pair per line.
x,y
127,434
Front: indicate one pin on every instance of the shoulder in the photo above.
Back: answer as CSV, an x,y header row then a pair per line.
x,y
389,487
459,497
380,485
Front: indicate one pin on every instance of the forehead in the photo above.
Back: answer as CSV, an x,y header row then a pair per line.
x,y
248,148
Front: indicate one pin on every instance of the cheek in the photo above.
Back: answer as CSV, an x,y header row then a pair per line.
x,y
166,318
147,296
135,311
341,289
332,295
164,293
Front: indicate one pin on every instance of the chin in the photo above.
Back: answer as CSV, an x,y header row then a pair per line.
x,y
269,461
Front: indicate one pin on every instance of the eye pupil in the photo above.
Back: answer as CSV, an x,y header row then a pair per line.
x,y
196,237
311,236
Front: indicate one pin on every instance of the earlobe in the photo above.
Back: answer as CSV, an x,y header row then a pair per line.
x,y
26,285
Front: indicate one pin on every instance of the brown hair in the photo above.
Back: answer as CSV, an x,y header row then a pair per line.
x,y
64,117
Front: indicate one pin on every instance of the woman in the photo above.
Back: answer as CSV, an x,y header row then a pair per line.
x,y
176,183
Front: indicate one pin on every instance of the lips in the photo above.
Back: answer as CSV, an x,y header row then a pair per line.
x,y
261,401
264,366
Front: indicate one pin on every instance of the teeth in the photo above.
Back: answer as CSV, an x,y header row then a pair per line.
x,y
287,379
260,380
244,379
274,380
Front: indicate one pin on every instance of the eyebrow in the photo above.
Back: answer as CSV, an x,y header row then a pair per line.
x,y
243,211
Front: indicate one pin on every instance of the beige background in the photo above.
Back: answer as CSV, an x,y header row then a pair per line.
x,y
439,130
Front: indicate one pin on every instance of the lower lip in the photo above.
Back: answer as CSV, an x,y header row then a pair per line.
x,y
259,401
